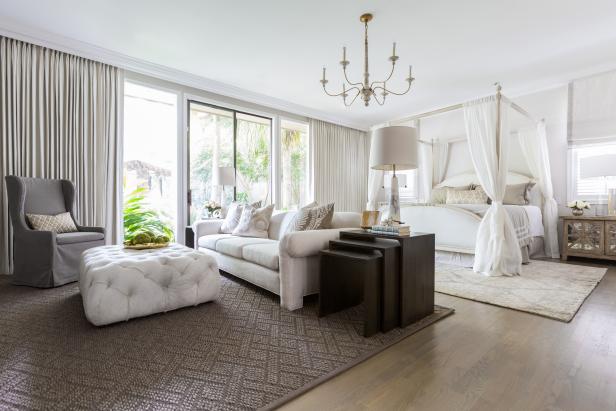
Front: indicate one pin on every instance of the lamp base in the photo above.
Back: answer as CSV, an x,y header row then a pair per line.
x,y
393,209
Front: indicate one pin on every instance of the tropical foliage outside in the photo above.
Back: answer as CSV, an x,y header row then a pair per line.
x,y
143,224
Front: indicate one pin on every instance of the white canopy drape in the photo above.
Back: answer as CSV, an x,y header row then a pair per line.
x,y
497,251
535,148
425,172
440,153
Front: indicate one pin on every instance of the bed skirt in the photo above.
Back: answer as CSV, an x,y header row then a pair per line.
x,y
534,250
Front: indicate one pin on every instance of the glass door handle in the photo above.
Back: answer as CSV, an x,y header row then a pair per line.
x,y
189,197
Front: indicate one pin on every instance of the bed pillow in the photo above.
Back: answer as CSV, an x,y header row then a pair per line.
x,y
477,196
439,194
59,223
516,194
254,222
313,218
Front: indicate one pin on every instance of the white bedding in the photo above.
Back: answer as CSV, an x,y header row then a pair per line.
x,y
535,219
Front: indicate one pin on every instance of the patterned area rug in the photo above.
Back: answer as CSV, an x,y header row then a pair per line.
x,y
241,352
553,290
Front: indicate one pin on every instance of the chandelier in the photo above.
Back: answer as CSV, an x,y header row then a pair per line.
x,y
366,89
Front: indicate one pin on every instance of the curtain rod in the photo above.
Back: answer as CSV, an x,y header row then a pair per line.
x,y
458,106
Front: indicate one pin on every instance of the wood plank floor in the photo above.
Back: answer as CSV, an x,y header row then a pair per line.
x,y
488,358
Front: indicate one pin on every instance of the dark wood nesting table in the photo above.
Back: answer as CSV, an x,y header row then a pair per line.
x,y
400,270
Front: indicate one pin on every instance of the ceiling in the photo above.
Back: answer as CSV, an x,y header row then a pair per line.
x,y
277,48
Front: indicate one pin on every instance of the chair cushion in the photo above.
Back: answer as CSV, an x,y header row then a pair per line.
x,y
233,245
78,237
210,240
265,255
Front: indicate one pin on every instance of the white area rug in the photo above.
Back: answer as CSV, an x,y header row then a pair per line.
x,y
553,290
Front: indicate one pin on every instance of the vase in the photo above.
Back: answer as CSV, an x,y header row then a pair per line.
x,y
577,212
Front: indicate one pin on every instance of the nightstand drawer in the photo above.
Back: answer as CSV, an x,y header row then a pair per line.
x,y
584,236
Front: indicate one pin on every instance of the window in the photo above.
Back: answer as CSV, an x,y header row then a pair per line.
x,y
221,137
407,185
294,165
150,149
589,189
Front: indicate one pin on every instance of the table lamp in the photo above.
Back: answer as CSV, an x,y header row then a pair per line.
x,y
601,166
393,148
224,176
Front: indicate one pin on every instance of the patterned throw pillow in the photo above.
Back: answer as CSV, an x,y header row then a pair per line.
x,y
60,223
313,218
439,195
477,196
254,222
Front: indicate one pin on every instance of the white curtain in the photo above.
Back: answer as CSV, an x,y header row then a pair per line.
x,y
497,251
60,117
425,171
375,185
440,153
341,162
535,148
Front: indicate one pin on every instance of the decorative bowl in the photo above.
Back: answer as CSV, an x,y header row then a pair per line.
x,y
146,246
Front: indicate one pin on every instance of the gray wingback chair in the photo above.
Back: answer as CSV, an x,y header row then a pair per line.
x,y
44,258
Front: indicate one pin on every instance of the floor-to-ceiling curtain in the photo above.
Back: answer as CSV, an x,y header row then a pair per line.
x,y
341,159
535,148
60,117
497,251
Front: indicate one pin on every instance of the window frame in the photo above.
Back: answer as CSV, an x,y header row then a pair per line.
x,y
572,173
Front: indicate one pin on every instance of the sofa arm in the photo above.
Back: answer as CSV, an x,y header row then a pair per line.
x,y
206,227
299,244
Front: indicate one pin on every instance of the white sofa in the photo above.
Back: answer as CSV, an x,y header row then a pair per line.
x,y
285,264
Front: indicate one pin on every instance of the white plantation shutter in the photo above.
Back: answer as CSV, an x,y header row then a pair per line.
x,y
589,188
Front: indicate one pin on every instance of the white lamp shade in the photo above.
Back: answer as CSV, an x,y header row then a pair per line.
x,y
598,166
394,146
224,176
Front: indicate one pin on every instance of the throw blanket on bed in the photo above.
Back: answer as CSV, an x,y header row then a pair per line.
x,y
520,221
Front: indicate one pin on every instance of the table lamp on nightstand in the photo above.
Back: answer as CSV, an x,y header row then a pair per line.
x,y
601,166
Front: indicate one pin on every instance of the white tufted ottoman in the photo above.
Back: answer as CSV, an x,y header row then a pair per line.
x,y
117,284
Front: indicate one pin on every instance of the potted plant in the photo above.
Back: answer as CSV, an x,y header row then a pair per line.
x,y
578,206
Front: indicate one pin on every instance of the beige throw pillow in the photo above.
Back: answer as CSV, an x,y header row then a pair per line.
x,y
439,195
477,196
254,222
516,194
313,218
60,223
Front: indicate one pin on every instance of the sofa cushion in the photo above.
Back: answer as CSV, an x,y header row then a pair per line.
x,y
233,245
209,241
265,255
254,222
78,237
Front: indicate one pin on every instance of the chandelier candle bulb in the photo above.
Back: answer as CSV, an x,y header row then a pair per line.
x,y
393,54
343,53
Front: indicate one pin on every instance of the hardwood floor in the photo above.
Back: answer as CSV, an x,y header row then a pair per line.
x,y
488,358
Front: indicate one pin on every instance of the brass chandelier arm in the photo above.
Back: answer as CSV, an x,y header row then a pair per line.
x,y
354,98
393,92
391,73
376,98
349,81
341,93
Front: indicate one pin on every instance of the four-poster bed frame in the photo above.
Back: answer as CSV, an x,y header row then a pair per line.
x,y
455,227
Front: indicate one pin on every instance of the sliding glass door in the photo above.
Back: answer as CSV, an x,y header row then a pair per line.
x,y
220,137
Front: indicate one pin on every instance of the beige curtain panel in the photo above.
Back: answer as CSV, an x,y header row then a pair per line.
x,y
341,164
60,117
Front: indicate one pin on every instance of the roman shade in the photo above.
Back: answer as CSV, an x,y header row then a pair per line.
x,y
592,109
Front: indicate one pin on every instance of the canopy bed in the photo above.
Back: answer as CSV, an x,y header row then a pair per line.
x,y
490,218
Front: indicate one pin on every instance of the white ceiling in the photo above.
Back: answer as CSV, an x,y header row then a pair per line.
x,y
277,47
